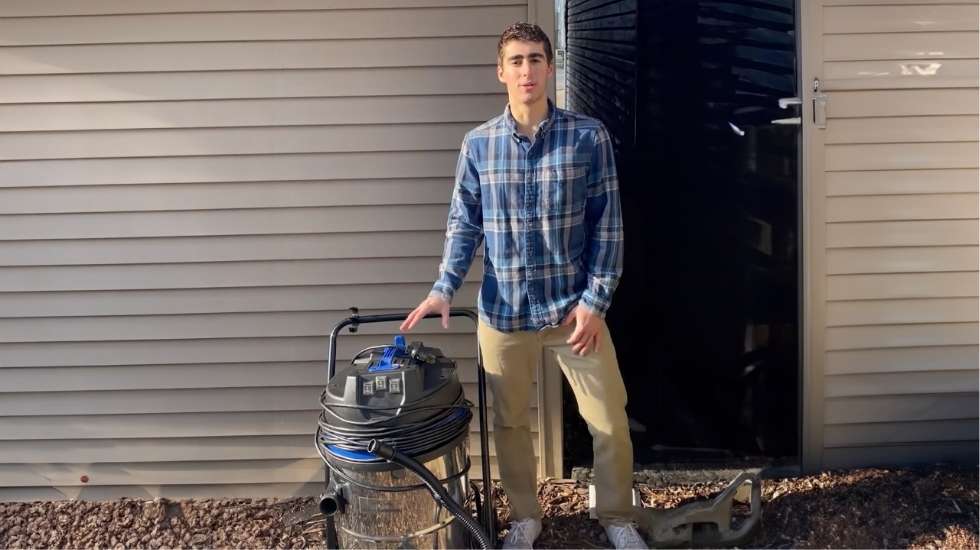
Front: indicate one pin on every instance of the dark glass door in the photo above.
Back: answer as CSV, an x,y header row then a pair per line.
x,y
706,320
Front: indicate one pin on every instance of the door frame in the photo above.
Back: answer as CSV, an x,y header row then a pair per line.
x,y
813,268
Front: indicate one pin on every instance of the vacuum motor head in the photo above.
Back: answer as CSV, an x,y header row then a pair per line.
x,y
388,391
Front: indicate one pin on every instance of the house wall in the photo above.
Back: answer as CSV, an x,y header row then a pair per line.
x,y
191,196
892,252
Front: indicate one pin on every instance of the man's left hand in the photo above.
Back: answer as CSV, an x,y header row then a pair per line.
x,y
585,337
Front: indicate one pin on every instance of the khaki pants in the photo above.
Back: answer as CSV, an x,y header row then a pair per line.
x,y
510,360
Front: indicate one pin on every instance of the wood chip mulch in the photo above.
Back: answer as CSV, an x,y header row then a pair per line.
x,y
866,508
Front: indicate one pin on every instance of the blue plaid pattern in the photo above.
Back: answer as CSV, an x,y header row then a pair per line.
x,y
549,211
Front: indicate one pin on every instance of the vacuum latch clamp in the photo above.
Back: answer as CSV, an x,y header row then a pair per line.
x,y
355,319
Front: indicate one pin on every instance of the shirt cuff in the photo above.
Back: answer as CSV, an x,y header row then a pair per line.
x,y
594,301
444,291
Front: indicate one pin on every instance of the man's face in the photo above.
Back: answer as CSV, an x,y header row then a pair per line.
x,y
524,68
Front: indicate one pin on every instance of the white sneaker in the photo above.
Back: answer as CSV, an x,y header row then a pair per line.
x,y
522,533
624,535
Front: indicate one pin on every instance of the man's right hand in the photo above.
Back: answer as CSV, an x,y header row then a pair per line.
x,y
432,304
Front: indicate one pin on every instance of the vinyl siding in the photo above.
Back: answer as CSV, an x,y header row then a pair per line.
x,y
901,232
191,195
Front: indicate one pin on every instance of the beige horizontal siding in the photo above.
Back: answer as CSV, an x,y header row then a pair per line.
x,y
163,425
247,112
191,196
941,382
233,141
270,399
879,312
941,358
230,168
149,492
269,25
890,2
339,219
278,55
901,408
221,274
895,336
909,207
220,248
912,45
901,156
925,17
901,259
164,473
900,229
908,72
219,300
883,47
909,129
962,452
902,103
230,85
224,195
900,182
898,432
279,447
902,233
26,8
902,285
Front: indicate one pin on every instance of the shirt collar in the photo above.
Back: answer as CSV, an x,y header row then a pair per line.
x,y
543,126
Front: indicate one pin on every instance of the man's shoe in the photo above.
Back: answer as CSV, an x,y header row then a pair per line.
x,y
624,535
522,533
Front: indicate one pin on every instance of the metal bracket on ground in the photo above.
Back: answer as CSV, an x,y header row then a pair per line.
x,y
706,523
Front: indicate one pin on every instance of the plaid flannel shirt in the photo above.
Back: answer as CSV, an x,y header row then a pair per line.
x,y
549,210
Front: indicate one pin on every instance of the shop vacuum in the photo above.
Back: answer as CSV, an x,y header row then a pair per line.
x,y
394,435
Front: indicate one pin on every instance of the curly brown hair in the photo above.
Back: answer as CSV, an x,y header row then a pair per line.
x,y
525,32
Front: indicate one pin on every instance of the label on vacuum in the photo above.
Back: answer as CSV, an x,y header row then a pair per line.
x,y
369,505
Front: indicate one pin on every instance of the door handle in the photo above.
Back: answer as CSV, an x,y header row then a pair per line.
x,y
784,103
795,120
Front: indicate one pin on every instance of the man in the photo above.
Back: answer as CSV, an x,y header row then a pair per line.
x,y
539,183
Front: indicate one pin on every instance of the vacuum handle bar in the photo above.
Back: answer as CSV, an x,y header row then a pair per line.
x,y
489,519
356,319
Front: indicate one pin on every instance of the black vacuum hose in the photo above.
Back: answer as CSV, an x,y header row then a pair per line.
x,y
435,487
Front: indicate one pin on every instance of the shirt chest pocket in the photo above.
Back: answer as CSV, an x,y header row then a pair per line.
x,y
563,188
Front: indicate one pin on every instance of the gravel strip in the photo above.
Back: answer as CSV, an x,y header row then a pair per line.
x,y
868,508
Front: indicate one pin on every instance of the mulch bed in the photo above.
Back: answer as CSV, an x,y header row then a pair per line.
x,y
867,508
